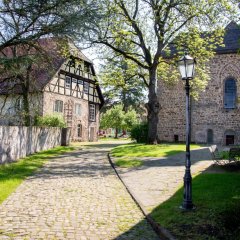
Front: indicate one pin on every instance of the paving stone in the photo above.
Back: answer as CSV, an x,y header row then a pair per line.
x,y
75,196
159,178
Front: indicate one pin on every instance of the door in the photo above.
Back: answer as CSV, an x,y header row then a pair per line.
x,y
209,136
229,140
92,131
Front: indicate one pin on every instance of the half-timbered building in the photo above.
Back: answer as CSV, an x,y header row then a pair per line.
x,y
70,90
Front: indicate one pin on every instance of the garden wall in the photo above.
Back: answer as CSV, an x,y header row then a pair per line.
x,y
17,142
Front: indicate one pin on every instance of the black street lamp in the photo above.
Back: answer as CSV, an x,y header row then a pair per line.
x,y
186,67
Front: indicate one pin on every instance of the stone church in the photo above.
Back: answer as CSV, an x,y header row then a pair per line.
x,y
215,116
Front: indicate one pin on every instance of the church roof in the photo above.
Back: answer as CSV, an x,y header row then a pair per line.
x,y
231,39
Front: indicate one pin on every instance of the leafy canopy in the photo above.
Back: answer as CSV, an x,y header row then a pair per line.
x,y
118,119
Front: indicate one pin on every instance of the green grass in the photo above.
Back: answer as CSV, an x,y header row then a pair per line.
x,y
143,150
128,162
12,174
217,200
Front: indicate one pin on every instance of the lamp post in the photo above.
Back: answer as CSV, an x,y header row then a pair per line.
x,y
186,67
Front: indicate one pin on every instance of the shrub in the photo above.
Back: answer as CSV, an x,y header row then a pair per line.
x,y
139,132
50,121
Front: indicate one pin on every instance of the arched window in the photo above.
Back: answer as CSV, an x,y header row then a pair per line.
x,y
209,136
230,93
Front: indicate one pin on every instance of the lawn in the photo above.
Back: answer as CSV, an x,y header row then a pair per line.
x,y
217,200
12,175
144,150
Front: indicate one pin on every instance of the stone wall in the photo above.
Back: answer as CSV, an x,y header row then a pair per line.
x,y
17,142
11,108
208,113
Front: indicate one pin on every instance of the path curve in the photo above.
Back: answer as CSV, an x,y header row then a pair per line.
x,y
74,196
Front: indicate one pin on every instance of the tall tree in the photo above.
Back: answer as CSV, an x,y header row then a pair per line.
x,y
122,83
148,27
116,118
23,24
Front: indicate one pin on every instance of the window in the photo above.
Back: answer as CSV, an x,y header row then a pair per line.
x,y
230,92
19,104
74,80
79,130
68,82
85,87
92,112
80,82
58,106
78,109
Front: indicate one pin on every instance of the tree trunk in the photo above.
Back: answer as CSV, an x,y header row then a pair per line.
x,y
153,108
116,133
26,112
25,95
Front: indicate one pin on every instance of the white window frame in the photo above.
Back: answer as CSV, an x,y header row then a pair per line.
x,y
68,82
92,112
78,109
58,106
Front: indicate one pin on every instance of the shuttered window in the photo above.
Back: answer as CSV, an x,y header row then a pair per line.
x,y
230,93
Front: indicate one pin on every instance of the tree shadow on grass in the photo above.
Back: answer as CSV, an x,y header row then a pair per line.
x,y
217,201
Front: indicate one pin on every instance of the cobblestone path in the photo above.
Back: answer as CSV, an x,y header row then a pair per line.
x,y
75,196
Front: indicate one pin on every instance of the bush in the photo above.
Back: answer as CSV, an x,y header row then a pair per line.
x,y
139,132
50,121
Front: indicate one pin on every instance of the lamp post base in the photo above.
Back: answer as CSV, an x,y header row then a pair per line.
x,y
187,207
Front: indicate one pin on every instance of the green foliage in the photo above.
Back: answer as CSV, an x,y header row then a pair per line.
x,y
130,119
224,154
118,119
139,132
122,84
50,121
12,174
216,197
144,32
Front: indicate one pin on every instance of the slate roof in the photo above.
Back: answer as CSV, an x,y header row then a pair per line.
x,y
231,39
